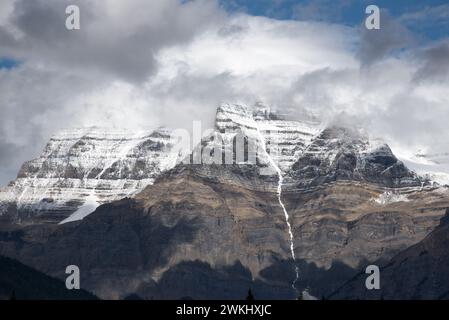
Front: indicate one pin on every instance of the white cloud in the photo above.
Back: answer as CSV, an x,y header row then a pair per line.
x,y
151,63
6,7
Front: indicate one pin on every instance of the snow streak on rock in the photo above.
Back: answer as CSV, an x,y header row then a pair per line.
x,y
279,194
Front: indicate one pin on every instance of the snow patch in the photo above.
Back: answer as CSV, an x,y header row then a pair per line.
x,y
390,197
307,296
427,167
442,178
89,206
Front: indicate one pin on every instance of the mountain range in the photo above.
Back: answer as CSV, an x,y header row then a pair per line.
x,y
316,206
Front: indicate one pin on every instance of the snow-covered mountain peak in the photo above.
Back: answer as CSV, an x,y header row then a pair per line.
x,y
79,165
289,137
84,167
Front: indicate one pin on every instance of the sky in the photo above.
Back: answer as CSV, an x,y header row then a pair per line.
x,y
144,64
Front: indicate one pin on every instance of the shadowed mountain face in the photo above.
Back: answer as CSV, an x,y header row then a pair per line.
x,y
18,281
212,231
352,222
419,272
184,217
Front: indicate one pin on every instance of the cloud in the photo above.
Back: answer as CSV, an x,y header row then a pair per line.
x,y
6,7
119,38
427,15
9,168
434,63
376,44
85,77
143,64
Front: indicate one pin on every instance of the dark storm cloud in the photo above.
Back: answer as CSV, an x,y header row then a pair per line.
x,y
31,109
376,44
434,63
118,41
121,43
8,169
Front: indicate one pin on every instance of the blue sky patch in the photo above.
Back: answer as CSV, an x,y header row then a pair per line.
x,y
427,18
8,63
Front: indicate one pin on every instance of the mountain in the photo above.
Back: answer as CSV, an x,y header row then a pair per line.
x,y
419,272
201,225
23,283
303,208
289,137
80,169
339,153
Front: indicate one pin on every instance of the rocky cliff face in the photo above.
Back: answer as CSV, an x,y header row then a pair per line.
x,y
356,222
418,272
345,154
287,139
212,230
183,236
86,167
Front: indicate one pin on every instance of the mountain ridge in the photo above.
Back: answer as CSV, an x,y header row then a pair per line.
x,y
349,200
